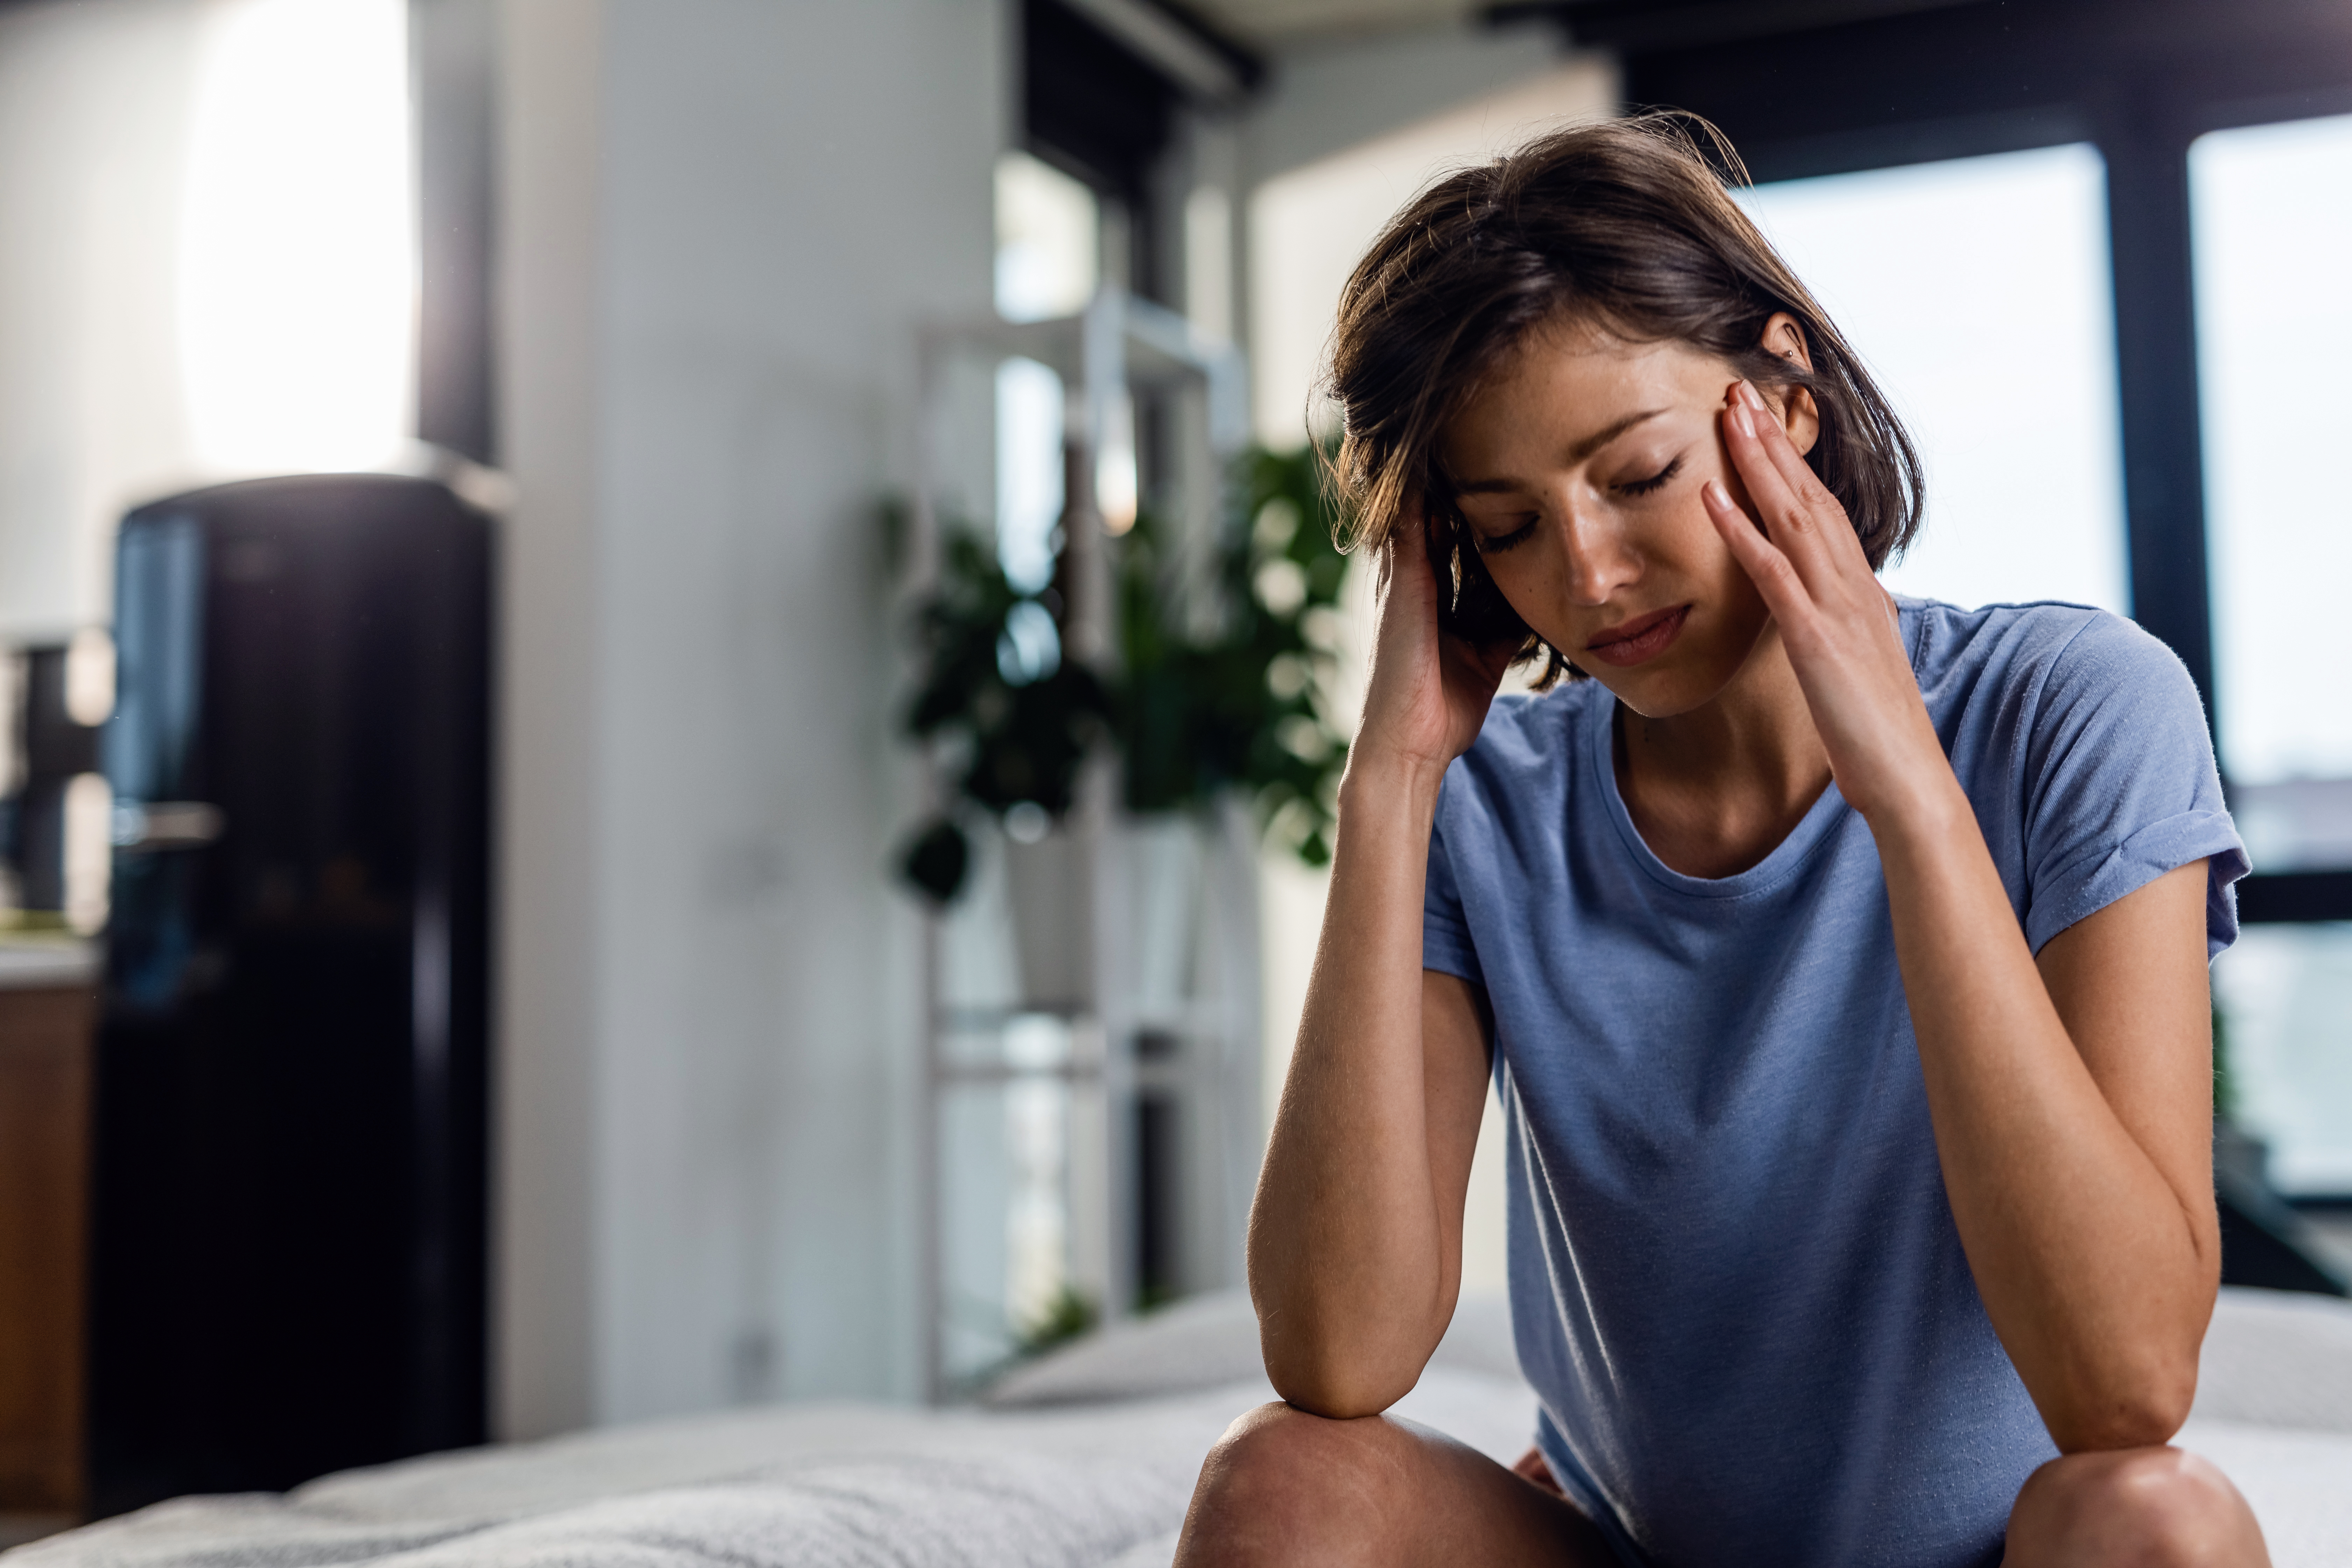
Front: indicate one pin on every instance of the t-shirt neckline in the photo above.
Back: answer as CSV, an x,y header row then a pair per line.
x,y
1827,809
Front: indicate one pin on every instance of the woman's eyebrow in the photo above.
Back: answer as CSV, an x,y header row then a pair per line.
x,y
1576,454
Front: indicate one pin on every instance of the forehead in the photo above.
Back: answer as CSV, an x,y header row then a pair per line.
x,y
1563,384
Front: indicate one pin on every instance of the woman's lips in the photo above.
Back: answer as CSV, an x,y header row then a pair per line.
x,y
1642,637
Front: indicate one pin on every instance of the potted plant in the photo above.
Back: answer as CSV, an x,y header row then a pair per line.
x,y
1208,689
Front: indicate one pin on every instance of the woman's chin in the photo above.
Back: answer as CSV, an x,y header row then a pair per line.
x,y
1702,664
1664,689
1654,705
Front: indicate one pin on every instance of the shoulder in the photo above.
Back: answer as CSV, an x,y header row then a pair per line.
x,y
1507,801
2083,740
1515,784
1529,737
2038,655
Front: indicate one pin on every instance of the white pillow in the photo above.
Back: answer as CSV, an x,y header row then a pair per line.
x,y
1210,1340
1205,1341
2272,1358
2277,1357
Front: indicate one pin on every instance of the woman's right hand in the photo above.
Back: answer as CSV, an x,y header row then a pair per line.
x,y
1430,691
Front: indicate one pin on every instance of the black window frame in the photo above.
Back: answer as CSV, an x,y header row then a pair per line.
x,y
1108,115
2140,81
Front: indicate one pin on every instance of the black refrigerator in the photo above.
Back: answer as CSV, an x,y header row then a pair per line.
x,y
287,1270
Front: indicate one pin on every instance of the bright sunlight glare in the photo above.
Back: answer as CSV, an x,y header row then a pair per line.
x,y
297,271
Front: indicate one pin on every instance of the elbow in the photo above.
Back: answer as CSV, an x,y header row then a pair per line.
x,y
2119,1426
1337,1387
1334,1400
1342,1360
2141,1410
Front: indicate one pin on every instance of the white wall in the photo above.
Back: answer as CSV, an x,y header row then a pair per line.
x,y
1334,96
94,105
543,1233
726,219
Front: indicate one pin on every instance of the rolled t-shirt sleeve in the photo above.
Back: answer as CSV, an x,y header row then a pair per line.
x,y
2120,785
1446,943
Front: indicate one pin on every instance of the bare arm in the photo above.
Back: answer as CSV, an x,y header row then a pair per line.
x,y
2073,1106
1355,1245
2071,1098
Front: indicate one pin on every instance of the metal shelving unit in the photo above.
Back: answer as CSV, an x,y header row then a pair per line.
x,y
1143,1056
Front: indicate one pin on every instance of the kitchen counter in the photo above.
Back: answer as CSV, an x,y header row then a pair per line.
x,y
48,1007
40,963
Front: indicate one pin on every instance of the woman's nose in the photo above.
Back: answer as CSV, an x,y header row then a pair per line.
x,y
1599,563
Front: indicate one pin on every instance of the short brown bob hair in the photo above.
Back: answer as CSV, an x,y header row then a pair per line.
x,y
1623,225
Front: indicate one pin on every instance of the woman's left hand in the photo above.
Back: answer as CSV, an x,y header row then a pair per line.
x,y
2068,1088
1837,624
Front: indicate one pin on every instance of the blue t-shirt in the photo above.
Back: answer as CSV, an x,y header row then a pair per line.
x,y
1736,1284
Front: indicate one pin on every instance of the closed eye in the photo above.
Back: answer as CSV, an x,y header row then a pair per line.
x,y
1489,545
1656,481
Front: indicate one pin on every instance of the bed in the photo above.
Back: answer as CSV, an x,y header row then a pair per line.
x,y
1083,1459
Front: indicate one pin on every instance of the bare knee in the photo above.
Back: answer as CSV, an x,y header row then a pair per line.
x,y
1282,1486
2147,1507
1282,1457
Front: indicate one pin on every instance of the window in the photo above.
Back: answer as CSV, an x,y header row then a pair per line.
x,y
2284,996
1048,246
298,242
1977,291
2270,218
2272,221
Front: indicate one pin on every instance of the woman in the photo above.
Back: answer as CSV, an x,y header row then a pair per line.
x,y
1839,961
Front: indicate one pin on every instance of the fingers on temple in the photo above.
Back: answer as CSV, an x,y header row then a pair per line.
x,y
1774,574
1747,431
1825,516
1806,520
1796,496
1804,485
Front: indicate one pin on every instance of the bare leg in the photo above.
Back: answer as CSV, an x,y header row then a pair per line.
x,y
2133,1508
1284,1487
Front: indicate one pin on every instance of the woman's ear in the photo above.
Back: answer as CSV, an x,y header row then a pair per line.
x,y
1784,338
1800,417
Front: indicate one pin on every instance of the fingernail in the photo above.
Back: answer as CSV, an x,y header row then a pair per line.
x,y
1739,418
1749,395
1717,496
